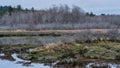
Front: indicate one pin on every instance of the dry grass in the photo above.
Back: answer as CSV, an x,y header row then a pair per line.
x,y
51,46
67,31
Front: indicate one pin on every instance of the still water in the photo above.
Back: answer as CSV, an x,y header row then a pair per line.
x,y
34,40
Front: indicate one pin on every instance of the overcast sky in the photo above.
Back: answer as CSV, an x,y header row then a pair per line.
x,y
96,6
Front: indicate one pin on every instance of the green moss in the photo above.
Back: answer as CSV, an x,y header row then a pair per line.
x,y
100,52
76,48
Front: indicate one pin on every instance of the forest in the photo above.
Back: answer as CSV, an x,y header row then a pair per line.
x,y
58,37
56,17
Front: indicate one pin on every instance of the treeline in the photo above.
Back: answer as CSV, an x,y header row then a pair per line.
x,y
62,17
9,9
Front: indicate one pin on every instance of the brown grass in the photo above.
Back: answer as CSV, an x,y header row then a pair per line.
x,y
61,31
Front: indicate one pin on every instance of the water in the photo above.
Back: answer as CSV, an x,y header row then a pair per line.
x,y
16,64
34,40
20,63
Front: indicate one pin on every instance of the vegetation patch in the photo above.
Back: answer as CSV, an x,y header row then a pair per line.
x,y
58,51
102,49
18,48
27,34
53,51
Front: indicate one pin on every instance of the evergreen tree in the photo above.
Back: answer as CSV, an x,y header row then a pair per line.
x,y
102,14
92,15
19,7
32,9
10,9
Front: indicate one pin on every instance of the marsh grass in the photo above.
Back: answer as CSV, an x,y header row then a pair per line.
x,y
58,51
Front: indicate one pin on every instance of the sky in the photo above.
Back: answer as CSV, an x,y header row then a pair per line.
x,y
95,6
